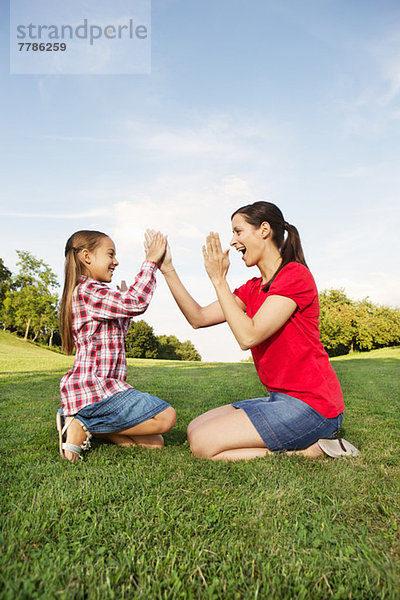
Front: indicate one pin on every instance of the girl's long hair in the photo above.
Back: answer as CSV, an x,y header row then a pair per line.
x,y
74,269
289,247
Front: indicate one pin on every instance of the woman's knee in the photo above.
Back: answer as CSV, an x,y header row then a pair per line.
x,y
199,446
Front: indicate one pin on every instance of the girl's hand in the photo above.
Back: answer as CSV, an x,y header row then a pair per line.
x,y
155,245
166,264
216,261
123,287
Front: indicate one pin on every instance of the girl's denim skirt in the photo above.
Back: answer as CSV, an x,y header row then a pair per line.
x,y
287,423
120,411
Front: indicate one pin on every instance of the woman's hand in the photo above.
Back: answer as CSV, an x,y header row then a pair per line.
x,y
216,261
155,245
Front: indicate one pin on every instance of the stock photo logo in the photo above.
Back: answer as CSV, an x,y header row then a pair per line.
x,y
63,37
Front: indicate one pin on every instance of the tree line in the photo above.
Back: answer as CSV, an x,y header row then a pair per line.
x,y
29,307
361,325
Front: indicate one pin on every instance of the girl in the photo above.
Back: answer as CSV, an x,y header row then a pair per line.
x,y
95,397
276,316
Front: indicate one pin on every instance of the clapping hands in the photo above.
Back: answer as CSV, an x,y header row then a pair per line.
x,y
155,246
216,261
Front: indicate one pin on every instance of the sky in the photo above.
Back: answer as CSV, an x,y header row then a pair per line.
x,y
296,103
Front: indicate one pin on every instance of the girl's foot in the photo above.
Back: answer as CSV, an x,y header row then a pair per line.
x,y
73,437
145,441
76,436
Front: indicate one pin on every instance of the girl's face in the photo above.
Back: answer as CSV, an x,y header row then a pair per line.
x,y
102,261
248,240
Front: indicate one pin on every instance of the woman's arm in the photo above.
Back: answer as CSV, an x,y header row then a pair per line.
x,y
273,314
198,316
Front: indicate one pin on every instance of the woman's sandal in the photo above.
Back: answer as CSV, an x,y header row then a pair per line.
x,y
62,426
337,448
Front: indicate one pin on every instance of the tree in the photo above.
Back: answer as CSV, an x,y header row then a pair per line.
x,y
187,351
30,302
141,341
346,325
377,326
167,347
170,348
5,280
337,322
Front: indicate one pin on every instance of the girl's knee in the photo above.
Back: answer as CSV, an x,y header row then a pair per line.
x,y
166,419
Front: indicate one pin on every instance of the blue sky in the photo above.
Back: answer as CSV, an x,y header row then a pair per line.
x,y
291,102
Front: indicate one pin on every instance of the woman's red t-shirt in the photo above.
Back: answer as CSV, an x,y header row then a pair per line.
x,y
293,360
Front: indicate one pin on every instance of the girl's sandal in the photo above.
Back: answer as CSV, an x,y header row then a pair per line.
x,y
62,426
337,448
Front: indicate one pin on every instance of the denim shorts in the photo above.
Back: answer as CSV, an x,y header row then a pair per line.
x,y
287,423
120,411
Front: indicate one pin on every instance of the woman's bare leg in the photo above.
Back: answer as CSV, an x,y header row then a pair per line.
x,y
225,434
207,416
229,434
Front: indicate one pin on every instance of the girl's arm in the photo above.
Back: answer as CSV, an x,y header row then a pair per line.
x,y
104,304
198,316
273,314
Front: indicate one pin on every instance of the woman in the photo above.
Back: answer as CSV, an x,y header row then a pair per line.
x,y
276,316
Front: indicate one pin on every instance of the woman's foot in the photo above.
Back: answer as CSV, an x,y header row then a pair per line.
x,y
337,448
313,451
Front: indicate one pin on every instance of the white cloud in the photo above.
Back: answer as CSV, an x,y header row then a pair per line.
x,y
221,138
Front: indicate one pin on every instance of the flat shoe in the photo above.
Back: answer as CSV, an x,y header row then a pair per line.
x,y
62,426
338,447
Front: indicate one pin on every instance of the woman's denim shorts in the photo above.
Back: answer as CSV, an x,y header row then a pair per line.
x,y
287,423
120,411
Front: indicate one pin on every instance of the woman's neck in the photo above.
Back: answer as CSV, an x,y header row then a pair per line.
x,y
269,264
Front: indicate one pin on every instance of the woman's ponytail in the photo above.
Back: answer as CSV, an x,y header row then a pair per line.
x,y
291,249
289,246
74,269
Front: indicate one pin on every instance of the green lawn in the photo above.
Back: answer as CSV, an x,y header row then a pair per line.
x,y
132,523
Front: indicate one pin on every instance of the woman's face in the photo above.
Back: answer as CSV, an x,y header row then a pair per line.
x,y
248,240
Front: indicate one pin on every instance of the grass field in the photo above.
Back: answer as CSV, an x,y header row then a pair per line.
x,y
132,523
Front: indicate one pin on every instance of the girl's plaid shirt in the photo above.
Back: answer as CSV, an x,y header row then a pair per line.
x,y
100,321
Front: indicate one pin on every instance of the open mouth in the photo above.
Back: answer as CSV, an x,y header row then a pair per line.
x,y
242,250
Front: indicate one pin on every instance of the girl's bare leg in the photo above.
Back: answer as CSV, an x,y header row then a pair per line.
x,y
145,434
146,441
